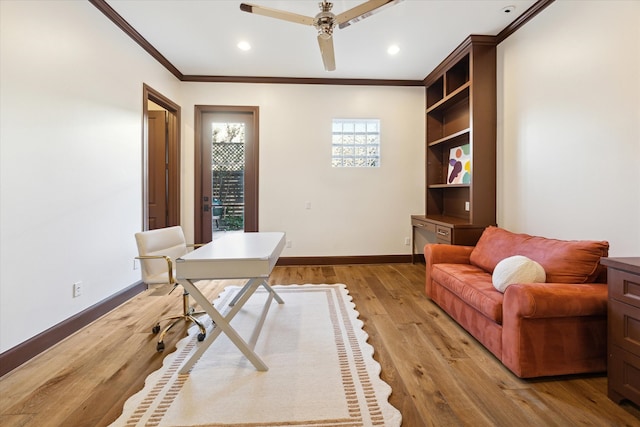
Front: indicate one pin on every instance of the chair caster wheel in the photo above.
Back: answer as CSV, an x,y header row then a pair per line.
x,y
201,336
156,329
160,346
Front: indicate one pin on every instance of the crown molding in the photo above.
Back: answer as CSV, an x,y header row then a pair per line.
x,y
108,11
527,16
300,80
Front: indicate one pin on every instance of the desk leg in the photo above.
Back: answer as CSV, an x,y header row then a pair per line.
x,y
266,286
272,292
222,325
240,293
258,328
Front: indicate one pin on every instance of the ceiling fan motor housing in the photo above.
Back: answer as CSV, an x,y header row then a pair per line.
x,y
325,21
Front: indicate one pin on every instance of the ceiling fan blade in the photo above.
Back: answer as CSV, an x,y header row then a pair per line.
x,y
362,11
326,49
278,14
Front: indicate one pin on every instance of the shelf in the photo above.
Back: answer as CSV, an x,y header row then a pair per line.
x,y
448,221
451,138
435,92
456,96
435,186
461,111
457,75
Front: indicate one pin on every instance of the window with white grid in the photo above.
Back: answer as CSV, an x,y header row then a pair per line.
x,y
355,143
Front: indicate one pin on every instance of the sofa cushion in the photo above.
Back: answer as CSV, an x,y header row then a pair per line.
x,y
564,261
516,269
472,285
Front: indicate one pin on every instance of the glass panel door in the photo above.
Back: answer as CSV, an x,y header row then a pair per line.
x,y
226,170
227,175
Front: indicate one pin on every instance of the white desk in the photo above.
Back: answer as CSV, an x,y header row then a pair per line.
x,y
234,256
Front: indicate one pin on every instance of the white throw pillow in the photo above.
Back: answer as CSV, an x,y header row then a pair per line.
x,y
517,269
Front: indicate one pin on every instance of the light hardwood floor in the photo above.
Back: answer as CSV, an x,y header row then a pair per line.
x,y
439,374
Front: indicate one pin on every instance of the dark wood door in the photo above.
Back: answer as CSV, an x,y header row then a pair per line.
x,y
157,157
161,160
207,171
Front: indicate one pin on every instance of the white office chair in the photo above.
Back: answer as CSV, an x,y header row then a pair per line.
x,y
157,251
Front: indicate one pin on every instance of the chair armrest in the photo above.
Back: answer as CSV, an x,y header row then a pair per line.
x,y
166,258
544,300
444,254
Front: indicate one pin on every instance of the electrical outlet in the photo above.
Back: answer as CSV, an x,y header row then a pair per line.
x,y
288,243
136,264
77,289
466,206
307,205
407,241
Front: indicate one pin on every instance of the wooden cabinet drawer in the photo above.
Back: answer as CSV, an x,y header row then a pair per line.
x,y
624,326
429,226
624,286
623,375
623,368
443,234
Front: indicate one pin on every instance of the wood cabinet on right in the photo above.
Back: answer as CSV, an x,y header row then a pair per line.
x,y
623,276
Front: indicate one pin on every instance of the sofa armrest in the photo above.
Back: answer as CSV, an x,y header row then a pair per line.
x,y
544,300
554,328
444,254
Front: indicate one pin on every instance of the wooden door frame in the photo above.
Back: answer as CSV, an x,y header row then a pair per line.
x,y
173,129
251,167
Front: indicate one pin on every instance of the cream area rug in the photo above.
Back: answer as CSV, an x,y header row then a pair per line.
x,y
321,370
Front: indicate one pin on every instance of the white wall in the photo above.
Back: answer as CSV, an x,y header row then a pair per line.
x,y
70,144
354,211
569,124
70,150
70,160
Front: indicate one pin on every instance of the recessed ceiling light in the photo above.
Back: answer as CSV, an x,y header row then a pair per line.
x,y
244,45
393,49
508,9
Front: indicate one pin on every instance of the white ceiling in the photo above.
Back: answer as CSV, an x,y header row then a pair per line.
x,y
199,37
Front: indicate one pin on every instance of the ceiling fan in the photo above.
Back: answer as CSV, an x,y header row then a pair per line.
x,y
325,21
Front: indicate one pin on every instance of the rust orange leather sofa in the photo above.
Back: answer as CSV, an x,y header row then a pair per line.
x,y
536,329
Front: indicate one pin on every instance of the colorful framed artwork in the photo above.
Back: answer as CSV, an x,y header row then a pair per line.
x,y
459,170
